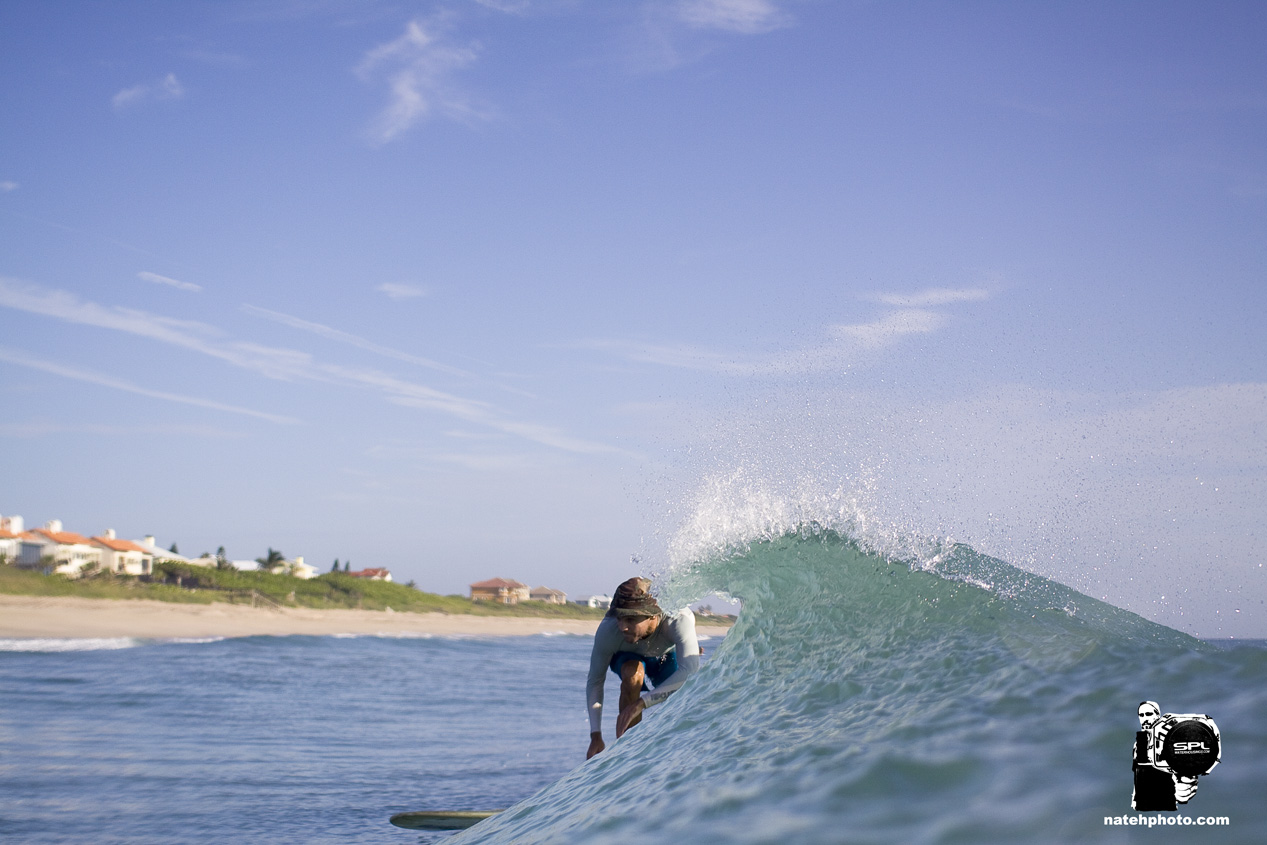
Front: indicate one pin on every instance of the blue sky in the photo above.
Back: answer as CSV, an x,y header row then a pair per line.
x,y
497,288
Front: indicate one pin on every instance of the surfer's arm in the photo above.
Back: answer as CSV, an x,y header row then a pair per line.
x,y
686,644
605,647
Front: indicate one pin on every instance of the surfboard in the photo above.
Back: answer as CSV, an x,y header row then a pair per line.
x,y
441,819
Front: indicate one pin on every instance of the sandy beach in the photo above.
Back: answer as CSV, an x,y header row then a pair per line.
x,y
66,617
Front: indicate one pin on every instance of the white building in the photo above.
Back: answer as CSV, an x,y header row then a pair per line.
x,y
160,554
298,569
11,531
603,602
124,556
63,552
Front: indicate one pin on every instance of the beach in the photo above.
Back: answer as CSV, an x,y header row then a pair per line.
x,y
75,618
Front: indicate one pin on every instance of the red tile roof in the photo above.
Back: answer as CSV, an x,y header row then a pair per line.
x,y
499,584
63,538
369,573
120,545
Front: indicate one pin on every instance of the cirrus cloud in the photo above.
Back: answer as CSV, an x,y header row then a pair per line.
x,y
167,88
417,68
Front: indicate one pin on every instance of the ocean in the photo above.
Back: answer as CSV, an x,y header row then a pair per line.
x,y
864,696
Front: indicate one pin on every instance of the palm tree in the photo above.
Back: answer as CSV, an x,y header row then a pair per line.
x,y
274,560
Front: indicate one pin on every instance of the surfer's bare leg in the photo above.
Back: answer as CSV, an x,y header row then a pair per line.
x,y
631,677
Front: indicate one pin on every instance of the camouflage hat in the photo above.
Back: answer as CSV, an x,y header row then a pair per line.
x,y
633,599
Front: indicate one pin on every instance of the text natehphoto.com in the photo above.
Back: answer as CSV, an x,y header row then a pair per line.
x,y
1168,821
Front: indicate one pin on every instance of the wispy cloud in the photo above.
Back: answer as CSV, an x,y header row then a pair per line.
x,y
284,364
5,187
23,360
931,297
677,32
350,339
418,68
844,346
890,328
187,334
146,276
395,291
167,88
744,17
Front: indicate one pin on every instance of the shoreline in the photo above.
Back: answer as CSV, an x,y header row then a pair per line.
x,y
73,617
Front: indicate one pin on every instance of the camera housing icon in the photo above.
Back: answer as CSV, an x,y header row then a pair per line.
x,y
1186,744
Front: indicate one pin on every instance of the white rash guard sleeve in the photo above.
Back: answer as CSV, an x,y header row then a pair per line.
x,y
676,632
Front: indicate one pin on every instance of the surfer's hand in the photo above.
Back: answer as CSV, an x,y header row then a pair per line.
x,y
596,745
629,717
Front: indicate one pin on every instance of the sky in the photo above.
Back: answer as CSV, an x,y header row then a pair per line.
x,y
511,287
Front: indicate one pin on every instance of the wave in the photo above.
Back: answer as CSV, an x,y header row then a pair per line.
x,y
900,696
60,644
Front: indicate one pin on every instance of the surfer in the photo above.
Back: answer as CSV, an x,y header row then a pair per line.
x,y
639,642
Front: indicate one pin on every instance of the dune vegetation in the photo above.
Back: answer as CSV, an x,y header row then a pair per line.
x,y
177,582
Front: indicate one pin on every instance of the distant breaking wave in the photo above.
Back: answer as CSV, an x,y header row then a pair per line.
x,y
52,644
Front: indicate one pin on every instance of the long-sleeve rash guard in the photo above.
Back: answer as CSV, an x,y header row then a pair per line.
x,y
676,632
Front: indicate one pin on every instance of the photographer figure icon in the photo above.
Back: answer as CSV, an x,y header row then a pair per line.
x,y
1171,752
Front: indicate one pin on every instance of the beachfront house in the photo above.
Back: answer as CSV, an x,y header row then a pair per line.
x,y
298,569
124,556
502,590
10,543
602,602
548,595
371,574
60,552
11,532
160,554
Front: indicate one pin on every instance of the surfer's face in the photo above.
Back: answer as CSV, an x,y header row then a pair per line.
x,y
634,628
1147,715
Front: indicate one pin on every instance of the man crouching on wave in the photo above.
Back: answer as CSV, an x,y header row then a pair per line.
x,y
640,643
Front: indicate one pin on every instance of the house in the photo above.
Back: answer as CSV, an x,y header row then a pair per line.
x,y
63,552
10,544
548,595
603,602
124,556
501,590
161,554
11,532
371,574
298,569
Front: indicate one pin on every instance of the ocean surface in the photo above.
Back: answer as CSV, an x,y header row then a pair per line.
x,y
863,697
